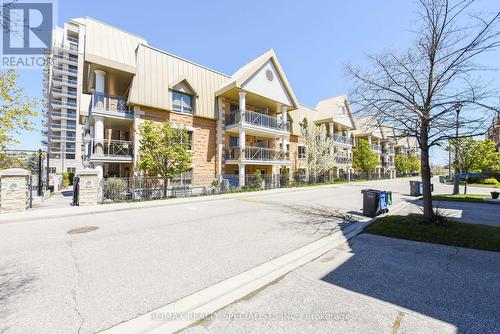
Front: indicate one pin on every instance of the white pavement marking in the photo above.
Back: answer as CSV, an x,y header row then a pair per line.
x,y
187,311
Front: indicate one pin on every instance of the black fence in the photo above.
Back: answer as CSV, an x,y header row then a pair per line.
x,y
151,188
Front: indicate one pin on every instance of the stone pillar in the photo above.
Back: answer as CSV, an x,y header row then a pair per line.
x,y
14,189
242,142
241,174
90,190
243,106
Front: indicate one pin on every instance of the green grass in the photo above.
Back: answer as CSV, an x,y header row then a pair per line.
x,y
453,233
473,198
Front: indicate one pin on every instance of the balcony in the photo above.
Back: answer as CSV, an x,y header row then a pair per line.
x,y
343,140
343,160
389,164
65,59
70,150
59,127
110,105
112,151
58,82
58,104
260,154
376,148
388,151
59,69
257,121
57,139
58,92
55,115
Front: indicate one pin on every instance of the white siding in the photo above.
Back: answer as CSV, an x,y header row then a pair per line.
x,y
157,71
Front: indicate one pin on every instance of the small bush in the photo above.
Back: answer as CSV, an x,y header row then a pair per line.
x,y
65,180
114,188
475,179
490,180
70,177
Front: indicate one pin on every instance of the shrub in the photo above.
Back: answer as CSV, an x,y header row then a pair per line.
x,y
475,179
114,188
65,180
490,180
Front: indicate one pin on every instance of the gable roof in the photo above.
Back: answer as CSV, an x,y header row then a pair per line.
x,y
331,109
242,75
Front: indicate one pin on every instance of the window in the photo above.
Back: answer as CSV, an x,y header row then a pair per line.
x,y
234,141
182,102
302,152
52,170
71,170
233,107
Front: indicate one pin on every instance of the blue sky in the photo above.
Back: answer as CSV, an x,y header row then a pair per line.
x,y
313,39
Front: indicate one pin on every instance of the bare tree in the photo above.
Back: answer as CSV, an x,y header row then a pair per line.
x,y
417,90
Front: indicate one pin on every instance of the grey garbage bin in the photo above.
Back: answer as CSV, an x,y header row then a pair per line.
x,y
371,202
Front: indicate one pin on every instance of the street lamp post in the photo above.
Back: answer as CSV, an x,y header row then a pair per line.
x,y
456,190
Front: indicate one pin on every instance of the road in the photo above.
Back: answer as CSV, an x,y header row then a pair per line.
x,y
139,260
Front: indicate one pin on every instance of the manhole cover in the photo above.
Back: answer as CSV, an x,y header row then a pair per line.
x,y
83,230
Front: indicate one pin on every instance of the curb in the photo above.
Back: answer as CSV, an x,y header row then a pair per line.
x,y
186,311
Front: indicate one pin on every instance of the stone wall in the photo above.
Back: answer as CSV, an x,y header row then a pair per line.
x,y
89,187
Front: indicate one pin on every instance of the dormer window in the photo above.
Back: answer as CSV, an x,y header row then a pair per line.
x,y
183,98
182,102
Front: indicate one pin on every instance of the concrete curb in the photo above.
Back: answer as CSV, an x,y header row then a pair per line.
x,y
187,311
38,214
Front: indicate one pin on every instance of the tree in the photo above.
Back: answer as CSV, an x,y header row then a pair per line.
x,y
15,112
401,163
413,163
164,150
319,157
364,158
474,155
417,90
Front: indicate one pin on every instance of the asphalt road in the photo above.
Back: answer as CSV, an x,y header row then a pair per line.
x,y
375,285
139,260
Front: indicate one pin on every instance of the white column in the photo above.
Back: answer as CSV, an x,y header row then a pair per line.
x,y
100,81
348,174
243,106
241,174
284,113
370,140
98,143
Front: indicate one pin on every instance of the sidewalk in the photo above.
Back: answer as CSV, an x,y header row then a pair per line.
x,y
70,211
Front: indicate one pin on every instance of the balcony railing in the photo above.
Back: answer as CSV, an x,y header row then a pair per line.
x,y
110,103
57,90
341,139
62,138
257,119
112,148
343,160
69,70
56,115
256,153
388,164
376,148
63,126
69,59
60,103
390,151
67,81
62,150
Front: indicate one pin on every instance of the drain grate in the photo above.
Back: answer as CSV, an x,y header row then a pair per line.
x,y
83,230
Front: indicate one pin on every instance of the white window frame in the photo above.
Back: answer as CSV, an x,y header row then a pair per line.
x,y
304,156
181,110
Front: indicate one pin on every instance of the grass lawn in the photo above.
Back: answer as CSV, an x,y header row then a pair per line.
x,y
410,227
474,198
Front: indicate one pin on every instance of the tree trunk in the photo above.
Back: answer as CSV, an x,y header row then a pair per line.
x,y
426,185
466,180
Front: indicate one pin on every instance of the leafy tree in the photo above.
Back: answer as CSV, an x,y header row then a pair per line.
x,y
15,112
474,155
401,163
418,90
413,163
364,158
164,150
319,157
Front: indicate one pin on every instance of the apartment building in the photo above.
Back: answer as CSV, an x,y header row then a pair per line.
x,y
236,123
61,128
